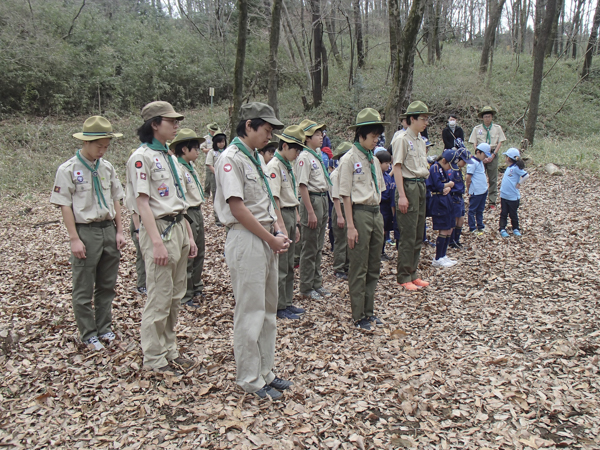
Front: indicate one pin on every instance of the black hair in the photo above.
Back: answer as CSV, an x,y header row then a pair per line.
x,y
384,157
454,116
409,118
189,144
290,145
365,130
519,162
390,150
255,124
146,132
218,138
268,148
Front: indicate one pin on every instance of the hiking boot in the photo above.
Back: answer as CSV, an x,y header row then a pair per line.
x,y
363,324
110,336
142,290
517,233
409,286
341,275
375,320
295,310
280,384
323,292
504,234
311,295
285,314
168,370
183,362
268,390
95,342
420,283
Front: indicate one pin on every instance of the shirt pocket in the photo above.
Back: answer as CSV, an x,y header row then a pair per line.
x,y
252,186
160,177
83,197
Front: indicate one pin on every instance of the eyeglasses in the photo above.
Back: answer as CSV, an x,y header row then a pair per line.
x,y
424,119
174,122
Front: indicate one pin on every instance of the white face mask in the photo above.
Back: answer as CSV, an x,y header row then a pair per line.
x,y
452,123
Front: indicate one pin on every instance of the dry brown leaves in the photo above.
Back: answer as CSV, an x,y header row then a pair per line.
x,y
500,351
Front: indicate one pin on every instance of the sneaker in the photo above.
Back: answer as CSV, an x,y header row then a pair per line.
x,y
420,283
517,233
191,304
385,257
363,324
110,336
341,275
95,342
375,320
409,286
428,242
441,263
504,233
311,295
285,314
169,370
268,390
448,260
323,292
280,384
142,290
295,310
492,207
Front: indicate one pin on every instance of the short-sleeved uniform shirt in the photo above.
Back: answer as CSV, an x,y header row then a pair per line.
x,y
149,173
74,187
237,176
130,203
280,181
397,135
479,135
193,195
410,151
334,189
207,143
310,172
212,157
478,184
356,180
512,177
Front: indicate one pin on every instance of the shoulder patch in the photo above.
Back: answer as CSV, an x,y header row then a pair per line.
x,y
227,167
273,175
300,163
138,164
57,189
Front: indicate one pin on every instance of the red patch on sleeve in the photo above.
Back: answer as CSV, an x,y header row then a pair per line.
x,y
300,163
138,164
142,176
273,175
227,167
57,189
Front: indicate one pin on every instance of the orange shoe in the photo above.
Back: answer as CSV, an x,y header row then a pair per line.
x,y
409,286
420,283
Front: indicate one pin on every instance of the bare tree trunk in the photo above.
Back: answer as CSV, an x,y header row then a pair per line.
x,y
576,21
273,47
587,60
240,59
299,48
394,26
317,34
539,52
330,26
553,39
436,30
490,31
359,36
523,31
325,60
366,28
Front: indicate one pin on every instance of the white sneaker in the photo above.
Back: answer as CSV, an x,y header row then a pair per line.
x,y
110,336
95,342
453,262
441,263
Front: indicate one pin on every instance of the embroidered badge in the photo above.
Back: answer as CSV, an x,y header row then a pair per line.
x,y
227,167
300,163
273,175
57,189
314,165
142,176
77,173
80,179
283,175
358,168
138,164
163,190
480,131
411,145
188,177
158,164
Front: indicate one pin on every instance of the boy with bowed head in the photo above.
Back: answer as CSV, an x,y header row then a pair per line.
x,y
88,191
245,204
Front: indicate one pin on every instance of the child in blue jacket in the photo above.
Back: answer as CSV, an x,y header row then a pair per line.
x,y
387,204
462,158
510,195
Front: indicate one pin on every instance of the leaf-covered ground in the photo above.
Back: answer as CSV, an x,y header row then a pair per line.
x,y
501,351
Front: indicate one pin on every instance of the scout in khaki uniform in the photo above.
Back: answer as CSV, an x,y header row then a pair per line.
x,y
314,182
186,148
410,171
206,146
361,185
493,135
245,205
134,231
166,239
340,230
88,192
267,153
285,192
219,143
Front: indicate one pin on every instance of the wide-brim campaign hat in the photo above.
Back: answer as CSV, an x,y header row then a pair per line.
x,y
257,110
96,127
294,134
417,108
214,127
487,110
367,116
185,134
310,127
341,149
160,109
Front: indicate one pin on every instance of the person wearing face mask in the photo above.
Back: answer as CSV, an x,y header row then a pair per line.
x,y
451,133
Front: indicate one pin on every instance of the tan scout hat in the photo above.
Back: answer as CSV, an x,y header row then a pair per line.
x,y
342,149
257,110
309,127
213,127
96,127
160,109
185,134
487,110
367,116
294,134
417,109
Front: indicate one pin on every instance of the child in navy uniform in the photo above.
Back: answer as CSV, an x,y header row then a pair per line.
x,y
477,188
387,204
440,206
510,196
462,157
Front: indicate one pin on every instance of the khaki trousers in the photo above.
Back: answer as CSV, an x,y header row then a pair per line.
x,y
166,287
340,249
312,244
365,260
209,183
254,272
412,227
95,277
195,266
491,170
140,267
286,261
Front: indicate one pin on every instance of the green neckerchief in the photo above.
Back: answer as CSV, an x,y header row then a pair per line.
x,y
95,178
369,155
288,166
312,152
156,145
189,167
254,158
488,138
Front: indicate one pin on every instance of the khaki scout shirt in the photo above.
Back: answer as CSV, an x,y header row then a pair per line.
x,y
149,173
479,135
207,143
397,135
237,176
130,202
334,189
212,157
356,180
309,172
410,151
281,184
74,187
192,194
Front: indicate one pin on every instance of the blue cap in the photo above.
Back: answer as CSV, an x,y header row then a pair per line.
x,y
485,148
465,155
454,156
427,143
512,153
379,149
459,143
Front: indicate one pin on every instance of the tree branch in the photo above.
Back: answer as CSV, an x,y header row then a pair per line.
x,y
567,97
182,11
73,22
